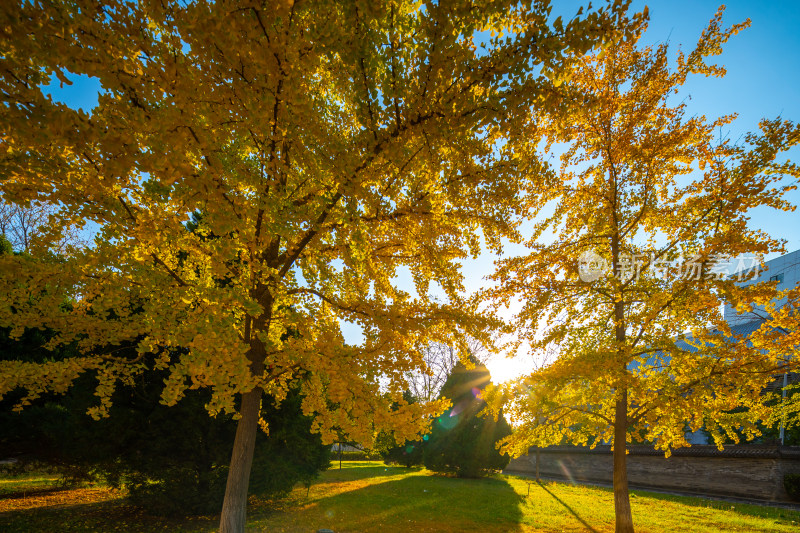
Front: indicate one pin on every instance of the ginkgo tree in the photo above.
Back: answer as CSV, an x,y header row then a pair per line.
x,y
647,220
325,147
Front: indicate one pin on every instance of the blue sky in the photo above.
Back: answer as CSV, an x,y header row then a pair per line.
x,y
763,79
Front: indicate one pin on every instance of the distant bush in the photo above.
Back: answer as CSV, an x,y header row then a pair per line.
x,y
358,455
792,484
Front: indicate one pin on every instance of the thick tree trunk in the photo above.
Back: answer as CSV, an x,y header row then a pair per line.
x,y
622,502
234,507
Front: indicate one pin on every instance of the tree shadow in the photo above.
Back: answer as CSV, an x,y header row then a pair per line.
x,y
30,493
741,507
112,515
422,503
567,507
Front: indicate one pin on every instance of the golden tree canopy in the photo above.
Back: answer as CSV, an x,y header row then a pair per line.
x,y
323,147
647,207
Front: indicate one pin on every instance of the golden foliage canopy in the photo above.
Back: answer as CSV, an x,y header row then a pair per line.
x,y
650,191
324,146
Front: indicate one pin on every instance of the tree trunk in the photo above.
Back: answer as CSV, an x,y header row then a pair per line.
x,y
622,502
234,507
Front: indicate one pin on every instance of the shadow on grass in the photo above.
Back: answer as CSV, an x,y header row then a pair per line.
x,y
421,502
567,507
30,493
748,509
113,515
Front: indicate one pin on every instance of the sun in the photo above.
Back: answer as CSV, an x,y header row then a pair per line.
x,y
504,368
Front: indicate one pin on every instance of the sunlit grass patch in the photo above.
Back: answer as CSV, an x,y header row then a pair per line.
x,y
10,484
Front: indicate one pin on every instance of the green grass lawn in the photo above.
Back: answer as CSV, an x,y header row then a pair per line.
x,y
25,483
369,496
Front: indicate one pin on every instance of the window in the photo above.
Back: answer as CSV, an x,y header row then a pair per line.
x,y
777,277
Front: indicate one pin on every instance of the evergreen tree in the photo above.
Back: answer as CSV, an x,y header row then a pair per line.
x,y
462,439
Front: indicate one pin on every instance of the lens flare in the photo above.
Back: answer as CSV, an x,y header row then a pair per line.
x,y
459,408
566,472
448,421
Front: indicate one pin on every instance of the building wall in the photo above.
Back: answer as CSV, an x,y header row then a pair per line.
x,y
788,265
752,472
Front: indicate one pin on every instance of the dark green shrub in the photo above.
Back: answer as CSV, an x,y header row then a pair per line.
x,y
172,460
792,484
408,455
